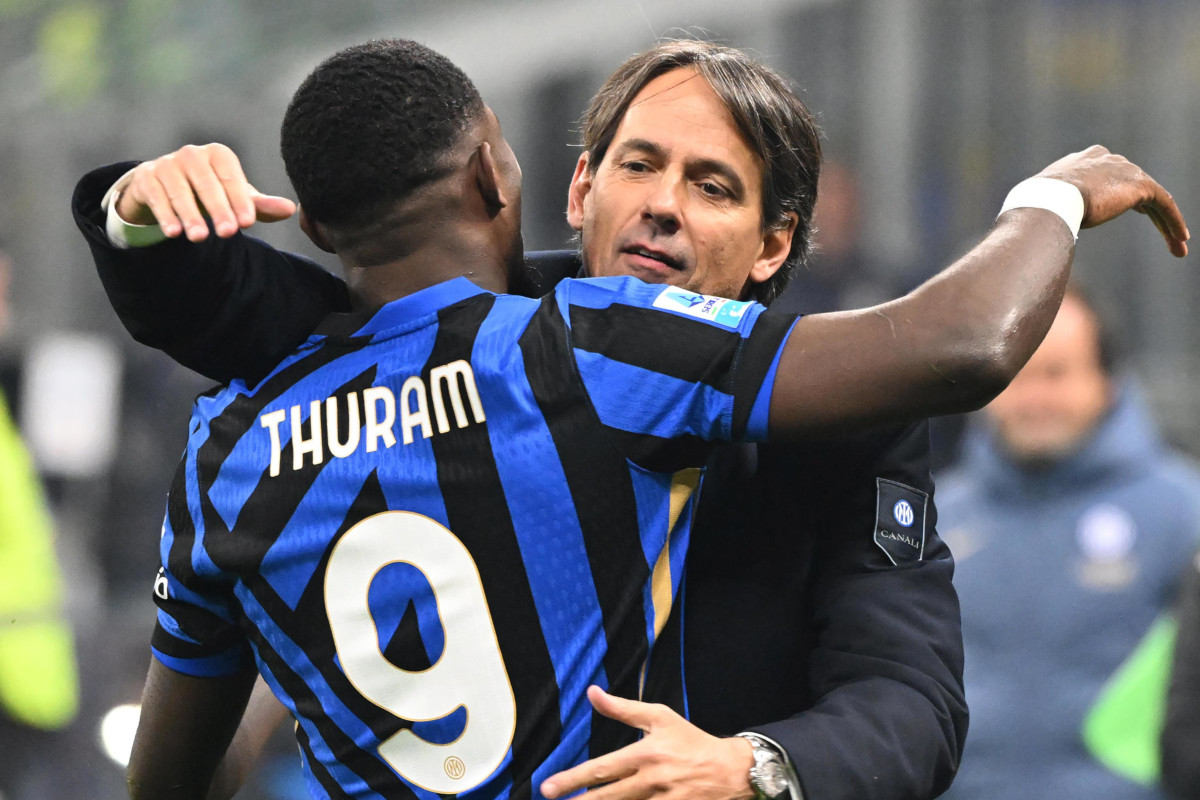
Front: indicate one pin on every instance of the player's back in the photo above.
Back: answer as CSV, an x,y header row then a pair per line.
x,y
433,536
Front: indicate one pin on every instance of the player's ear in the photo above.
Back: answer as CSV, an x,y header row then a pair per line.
x,y
315,232
487,178
776,245
581,184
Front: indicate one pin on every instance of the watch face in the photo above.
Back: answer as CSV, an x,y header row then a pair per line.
x,y
768,774
774,781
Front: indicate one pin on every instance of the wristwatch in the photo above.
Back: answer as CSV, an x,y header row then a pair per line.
x,y
770,776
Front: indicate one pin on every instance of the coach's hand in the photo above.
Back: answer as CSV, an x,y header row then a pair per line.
x,y
675,759
1112,185
177,190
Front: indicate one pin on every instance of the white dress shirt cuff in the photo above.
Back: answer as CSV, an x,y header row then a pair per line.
x,y
121,234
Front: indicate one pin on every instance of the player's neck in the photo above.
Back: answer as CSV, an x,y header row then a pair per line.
x,y
429,240
373,286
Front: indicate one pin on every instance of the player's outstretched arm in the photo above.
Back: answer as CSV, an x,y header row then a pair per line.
x,y
186,726
958,339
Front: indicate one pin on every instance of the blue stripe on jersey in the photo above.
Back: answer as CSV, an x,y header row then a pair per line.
x,y
207,409
544,519
756,425
625,396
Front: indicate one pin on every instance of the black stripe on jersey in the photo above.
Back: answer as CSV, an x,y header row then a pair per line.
x,y
309,630
602,491
664,676
478,513
217,635
183,529
670,344
319,772
754,362
659,454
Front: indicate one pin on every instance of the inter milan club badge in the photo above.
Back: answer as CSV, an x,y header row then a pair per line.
x,y
900,521
1106,535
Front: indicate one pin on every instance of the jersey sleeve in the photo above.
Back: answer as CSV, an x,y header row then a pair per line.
x,y
668,369
198,631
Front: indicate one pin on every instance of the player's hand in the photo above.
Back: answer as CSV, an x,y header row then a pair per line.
x,y
177,191
1112,185
674,760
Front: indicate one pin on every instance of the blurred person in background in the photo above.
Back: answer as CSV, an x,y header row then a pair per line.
x,y
1181,728
1071,521
39,692
839,275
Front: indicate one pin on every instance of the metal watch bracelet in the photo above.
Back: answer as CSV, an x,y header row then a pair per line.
x,y
772,777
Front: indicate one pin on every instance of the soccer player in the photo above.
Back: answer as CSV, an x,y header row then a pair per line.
x,y
878,355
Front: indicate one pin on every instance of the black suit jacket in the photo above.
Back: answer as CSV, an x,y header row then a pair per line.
x,y
795,623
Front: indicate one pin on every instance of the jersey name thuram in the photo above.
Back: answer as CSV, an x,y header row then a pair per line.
x,y
450,392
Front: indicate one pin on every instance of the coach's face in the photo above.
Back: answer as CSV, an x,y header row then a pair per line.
x,y
678,196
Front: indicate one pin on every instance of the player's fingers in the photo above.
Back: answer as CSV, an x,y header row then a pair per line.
x,y
1167,217
208,189
597,772
238,190
270,208
639,715
147,189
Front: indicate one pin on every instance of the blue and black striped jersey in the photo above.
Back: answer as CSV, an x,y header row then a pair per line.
x,y
434,528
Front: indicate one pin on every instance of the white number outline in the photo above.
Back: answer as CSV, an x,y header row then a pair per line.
x,y
471,650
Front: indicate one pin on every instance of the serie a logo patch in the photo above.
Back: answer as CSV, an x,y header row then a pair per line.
x,y
720,310
900,521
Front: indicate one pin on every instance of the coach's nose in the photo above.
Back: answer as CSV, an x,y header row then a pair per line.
x,y
662,204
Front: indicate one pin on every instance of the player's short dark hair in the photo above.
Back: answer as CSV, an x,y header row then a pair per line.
x,y
780,129
370,125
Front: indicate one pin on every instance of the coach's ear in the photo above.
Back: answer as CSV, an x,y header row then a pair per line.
x,y
487,178
581,184
315,232
776,247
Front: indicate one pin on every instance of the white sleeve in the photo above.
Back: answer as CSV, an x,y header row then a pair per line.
x,y
121,234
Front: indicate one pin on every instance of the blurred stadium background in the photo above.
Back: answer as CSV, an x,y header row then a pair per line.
x,y
936,106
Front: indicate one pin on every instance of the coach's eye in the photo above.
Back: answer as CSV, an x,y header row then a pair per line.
x,y
637,167
714,190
